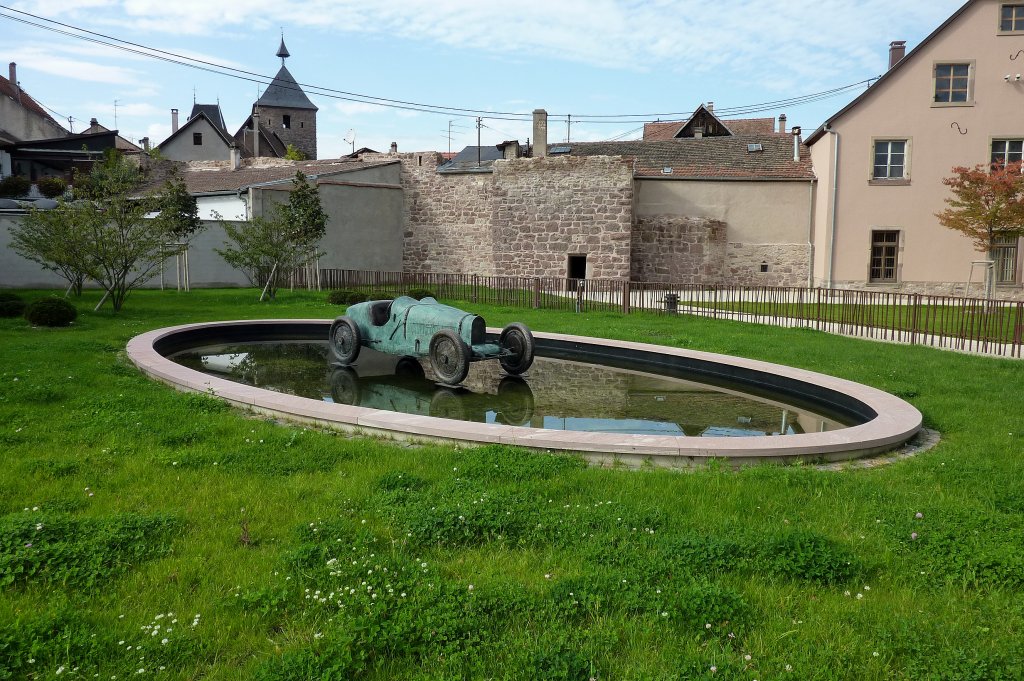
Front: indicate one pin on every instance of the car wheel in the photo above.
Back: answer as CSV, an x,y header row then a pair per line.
x,y
449,357
345,340
345,386
517,339
515,398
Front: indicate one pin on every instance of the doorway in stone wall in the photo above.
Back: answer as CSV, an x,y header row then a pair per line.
x,y
577,270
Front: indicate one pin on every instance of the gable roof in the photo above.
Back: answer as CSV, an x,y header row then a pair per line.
x,y
269,141
224,180
213,113
817,134
121,143
709,158
191,122
666,130
284,92
8,89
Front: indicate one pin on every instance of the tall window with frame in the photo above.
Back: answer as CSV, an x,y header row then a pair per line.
x,y
1011,18
1005,152
890,160
1005,256
885,246
952,83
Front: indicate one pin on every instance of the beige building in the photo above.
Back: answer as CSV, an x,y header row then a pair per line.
x,y
955,100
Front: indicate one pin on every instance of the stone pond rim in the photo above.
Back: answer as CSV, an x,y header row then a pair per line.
x,y
883,421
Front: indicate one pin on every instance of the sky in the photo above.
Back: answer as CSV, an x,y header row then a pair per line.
x,y
624,60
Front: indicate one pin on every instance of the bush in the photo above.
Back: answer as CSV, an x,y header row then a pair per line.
x,y
14,186
346,297
11,305
51,187
51,312
421,293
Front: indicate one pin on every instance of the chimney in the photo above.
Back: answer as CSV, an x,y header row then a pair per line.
x,y
710,107
236,157
255,133
897,50
796,143
782,123
509,150
174,121
13,72
394,147
540,133
94,125
145,143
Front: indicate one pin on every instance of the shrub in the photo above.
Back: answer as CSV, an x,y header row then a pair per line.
x,y
421,293
14,186
51,312
345,297
11,305
51,187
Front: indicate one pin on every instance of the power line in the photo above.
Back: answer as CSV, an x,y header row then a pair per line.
x,y
241,74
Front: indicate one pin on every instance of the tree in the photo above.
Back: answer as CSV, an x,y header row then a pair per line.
x,y
292,153
179,212
269,248
124,249
987,204
58,239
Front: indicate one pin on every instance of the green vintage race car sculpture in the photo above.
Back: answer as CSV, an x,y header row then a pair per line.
x,y
450,337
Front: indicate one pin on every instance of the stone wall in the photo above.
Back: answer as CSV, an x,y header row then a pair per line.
x,y
524,218
786,264
677,250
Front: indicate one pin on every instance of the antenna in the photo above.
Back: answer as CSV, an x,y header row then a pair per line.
x,y
350,137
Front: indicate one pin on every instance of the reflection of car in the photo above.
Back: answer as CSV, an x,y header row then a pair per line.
x,y
450,337
400,385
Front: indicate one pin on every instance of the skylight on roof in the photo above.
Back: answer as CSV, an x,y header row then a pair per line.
x,y
752,148
560,150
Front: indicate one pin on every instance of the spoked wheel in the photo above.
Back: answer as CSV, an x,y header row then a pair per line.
x,y
517,339
345,340
449,357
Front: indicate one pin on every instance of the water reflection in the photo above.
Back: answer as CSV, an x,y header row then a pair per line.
x,y
554,394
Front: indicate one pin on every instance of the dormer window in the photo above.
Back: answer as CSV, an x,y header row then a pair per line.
x,y
1011,18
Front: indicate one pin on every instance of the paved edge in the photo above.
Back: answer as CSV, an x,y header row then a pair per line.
x,y
896,423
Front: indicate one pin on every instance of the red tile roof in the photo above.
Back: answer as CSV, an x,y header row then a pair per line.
x,y
709,157
666,130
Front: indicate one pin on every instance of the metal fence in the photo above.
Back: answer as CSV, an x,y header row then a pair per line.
x,y
991,327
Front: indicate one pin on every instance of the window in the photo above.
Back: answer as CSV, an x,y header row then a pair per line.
x,y
197,139
890,160
952,83
1005,152
1011,18
286,122
884,255
1006,259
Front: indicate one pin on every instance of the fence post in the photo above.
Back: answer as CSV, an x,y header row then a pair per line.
x,y
536,293
625,297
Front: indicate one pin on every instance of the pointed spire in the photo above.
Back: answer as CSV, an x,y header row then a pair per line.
x,y
282,51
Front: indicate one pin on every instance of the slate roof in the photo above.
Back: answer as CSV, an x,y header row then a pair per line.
x,y
213,113
466,160
7,89
708,158
270,143
666,130
192,121
284,92
201,180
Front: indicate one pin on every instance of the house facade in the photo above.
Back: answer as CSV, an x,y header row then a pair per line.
x,y
22,118
955,100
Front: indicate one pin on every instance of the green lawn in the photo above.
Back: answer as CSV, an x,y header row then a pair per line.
x,y
144,529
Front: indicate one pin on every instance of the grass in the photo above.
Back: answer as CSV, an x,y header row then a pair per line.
x,y
132,514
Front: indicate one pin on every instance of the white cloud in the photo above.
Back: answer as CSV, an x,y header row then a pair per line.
x,y
44,60
357,108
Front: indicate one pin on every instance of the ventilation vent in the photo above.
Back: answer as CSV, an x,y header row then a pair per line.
x,y
667,170
754,148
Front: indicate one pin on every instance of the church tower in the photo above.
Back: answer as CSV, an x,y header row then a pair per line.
x,y
285,110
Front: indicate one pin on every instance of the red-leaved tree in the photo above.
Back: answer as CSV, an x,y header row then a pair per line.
x,y
987,203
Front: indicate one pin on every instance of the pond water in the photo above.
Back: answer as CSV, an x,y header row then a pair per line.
x,y
554,394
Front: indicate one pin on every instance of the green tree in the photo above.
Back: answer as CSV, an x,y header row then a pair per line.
x,y
58,239
179,213
292,153
269,248
987,204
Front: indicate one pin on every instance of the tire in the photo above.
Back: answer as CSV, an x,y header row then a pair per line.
x,y
345,386
517,338
346,341
449,357
409,368
447,404
515,398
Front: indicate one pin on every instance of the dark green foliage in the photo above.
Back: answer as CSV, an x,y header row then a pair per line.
x,y
14,186
346,297
51,187
59,550
51,311
805,555
420,293
11,305
179,213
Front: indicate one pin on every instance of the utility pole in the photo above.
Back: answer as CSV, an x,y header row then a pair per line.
x,y
479,125
71,125
115,114
450,137
568,129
